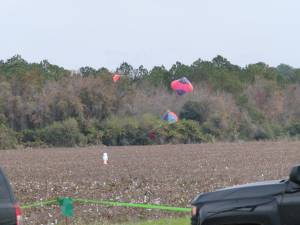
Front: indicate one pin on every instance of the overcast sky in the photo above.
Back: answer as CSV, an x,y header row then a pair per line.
x,y
75,33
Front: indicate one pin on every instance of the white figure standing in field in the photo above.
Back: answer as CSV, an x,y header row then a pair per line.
x,y
105,158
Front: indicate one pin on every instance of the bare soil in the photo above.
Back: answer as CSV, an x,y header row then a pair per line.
x,y
167,174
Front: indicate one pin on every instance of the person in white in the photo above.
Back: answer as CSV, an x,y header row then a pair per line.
x,y
105,158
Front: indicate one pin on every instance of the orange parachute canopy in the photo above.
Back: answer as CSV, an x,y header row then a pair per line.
x,y
116,77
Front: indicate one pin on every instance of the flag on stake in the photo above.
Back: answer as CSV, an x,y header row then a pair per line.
x,y
66,206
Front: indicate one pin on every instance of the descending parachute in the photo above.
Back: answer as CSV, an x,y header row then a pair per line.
x,y
182,86
170,117
116,77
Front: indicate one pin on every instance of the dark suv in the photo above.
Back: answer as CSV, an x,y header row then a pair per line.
x,y
10,212
262,203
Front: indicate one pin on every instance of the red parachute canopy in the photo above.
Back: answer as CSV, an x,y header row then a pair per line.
x,y
182,86
116,77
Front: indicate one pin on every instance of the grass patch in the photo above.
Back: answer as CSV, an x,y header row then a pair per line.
x,y
176,221
165,221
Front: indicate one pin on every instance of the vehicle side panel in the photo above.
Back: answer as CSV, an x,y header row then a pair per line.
x,y
7,214
245,211
290,209
7,201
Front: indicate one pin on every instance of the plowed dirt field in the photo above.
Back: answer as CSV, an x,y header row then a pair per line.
x,y
168,175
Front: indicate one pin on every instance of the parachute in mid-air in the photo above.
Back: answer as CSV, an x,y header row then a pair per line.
x,y
170,117
182,86
116,77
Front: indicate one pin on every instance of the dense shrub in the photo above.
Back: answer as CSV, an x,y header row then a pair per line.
x,y
294,129
66,133
215,126
198,111
7,137
149,130
269,131
124,131
91,129
31,138
184,131
248,130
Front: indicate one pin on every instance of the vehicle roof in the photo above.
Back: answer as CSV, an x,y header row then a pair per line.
x,y
252,190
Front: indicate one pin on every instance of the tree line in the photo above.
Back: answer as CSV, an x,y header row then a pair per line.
x,y
42,104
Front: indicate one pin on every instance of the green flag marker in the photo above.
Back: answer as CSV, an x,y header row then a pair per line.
x,y
66,206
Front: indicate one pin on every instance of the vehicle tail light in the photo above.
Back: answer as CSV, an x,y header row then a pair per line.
x,y
194,211
195,218
18,214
